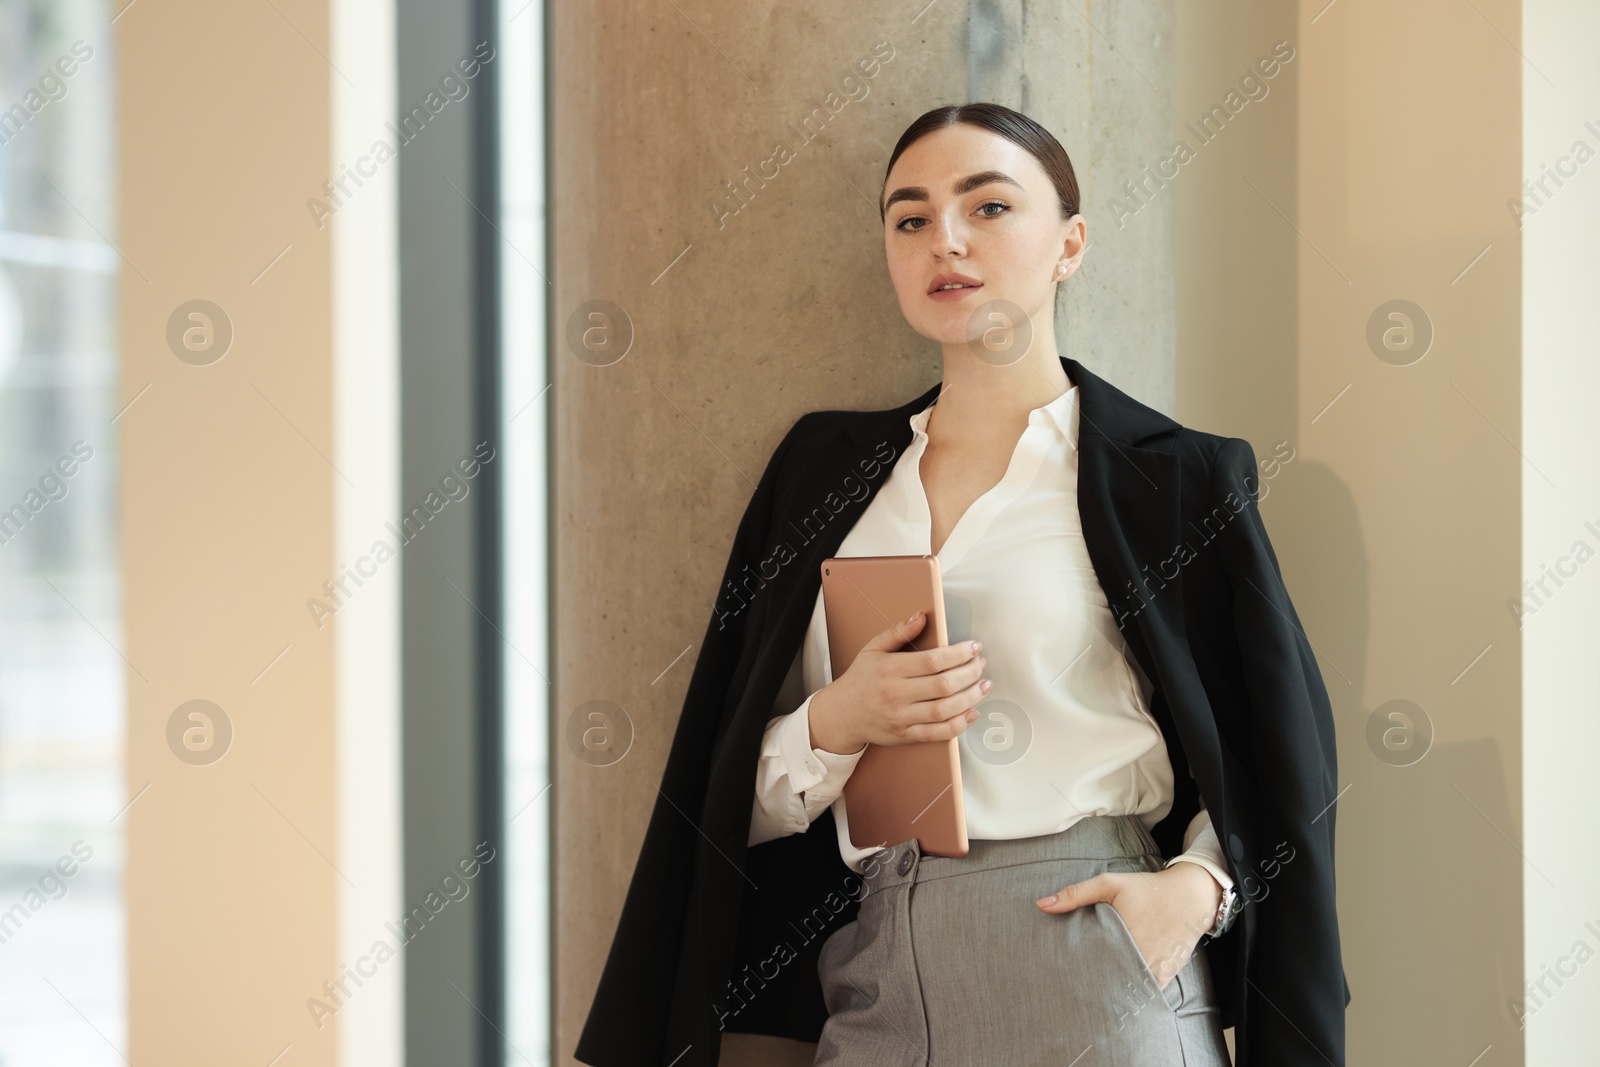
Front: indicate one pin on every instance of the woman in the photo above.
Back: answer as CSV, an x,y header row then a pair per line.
x,y
1093,920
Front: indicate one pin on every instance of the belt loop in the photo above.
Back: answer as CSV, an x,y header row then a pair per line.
x,y
1133,828
1147,841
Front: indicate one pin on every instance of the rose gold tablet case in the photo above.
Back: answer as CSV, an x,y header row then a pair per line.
x,y
896,792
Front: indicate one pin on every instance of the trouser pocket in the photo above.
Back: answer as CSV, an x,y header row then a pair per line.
x,y
1142,988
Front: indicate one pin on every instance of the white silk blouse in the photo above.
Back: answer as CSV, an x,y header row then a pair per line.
x,y
1066,730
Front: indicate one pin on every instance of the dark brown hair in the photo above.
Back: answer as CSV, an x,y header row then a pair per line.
x,y
1013,126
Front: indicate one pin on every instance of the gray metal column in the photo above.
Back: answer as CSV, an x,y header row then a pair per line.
x,y
448,338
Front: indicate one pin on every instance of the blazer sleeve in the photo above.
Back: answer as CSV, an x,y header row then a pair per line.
x,y
629,1018
1297,991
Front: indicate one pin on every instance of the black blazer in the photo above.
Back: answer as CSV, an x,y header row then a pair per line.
x,y
715,935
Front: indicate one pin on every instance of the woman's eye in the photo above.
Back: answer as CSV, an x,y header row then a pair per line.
x,y
995,203
901,225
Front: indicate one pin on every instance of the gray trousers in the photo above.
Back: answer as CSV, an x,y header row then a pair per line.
x,y
950,963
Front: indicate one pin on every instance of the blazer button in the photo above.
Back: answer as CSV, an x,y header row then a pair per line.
x,y
1236,847
906,860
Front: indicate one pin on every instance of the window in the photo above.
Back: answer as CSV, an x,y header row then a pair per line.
x,y
62,671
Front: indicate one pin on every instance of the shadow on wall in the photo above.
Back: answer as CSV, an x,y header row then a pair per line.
x,y
1417,819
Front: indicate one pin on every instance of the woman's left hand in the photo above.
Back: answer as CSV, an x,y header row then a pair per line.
x,y
1166,911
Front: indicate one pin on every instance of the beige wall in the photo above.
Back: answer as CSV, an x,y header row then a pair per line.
x,y
1377,169
229,524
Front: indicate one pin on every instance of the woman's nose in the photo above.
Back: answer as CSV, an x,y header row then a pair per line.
x,y
949,238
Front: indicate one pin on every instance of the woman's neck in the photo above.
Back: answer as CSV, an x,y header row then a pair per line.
x,y
979,401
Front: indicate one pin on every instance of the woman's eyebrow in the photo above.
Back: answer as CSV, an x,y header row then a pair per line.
x,y
965,185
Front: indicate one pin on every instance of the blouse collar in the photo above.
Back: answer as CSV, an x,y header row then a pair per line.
x,y
1062,412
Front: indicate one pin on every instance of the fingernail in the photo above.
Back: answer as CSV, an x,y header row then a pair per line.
x,y
1045,902
977,646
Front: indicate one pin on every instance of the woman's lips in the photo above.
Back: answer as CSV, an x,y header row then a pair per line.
x,y
966,281
945,296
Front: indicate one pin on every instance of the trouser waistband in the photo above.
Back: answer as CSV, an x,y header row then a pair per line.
x,y
1092,837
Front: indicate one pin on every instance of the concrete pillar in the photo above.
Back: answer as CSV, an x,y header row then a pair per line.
x,y
743,302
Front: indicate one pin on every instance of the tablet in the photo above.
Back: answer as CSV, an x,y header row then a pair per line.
x,y
896,792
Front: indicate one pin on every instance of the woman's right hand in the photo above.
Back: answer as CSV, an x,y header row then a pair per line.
x,y
888,697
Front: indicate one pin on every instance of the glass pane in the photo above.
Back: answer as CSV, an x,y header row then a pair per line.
x,y
62,996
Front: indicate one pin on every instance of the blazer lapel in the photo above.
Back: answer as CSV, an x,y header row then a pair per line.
x,y
1128,502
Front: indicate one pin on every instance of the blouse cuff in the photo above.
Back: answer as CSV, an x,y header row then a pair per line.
x,y
816,772
1204,849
